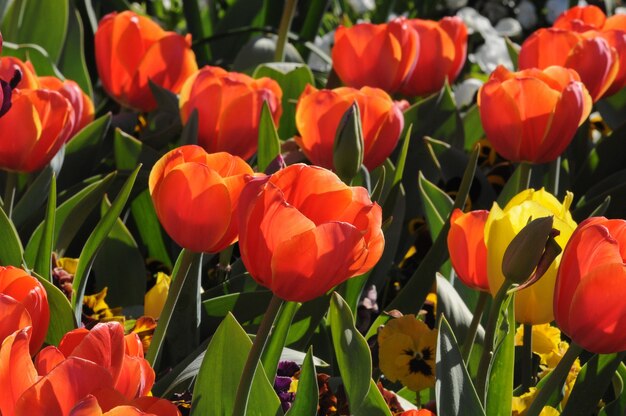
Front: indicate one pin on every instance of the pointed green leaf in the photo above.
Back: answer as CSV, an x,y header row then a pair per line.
x,y
275,344
43,261
72,60
61,314
149,228
33,198
269,143
11,251
308,392
618,406
437,205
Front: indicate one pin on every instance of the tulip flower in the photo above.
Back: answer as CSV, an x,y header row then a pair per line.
x,y
229,109
466,244
532,115
581,19
303,231
195,195
319,112
24,300
380,56
533,305
82,105
443,49
591,285
27,78
131,49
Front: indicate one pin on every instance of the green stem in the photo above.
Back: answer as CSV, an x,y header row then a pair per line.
x,y
490,333
179,277
277,341
283,31
524,176
223,267
10,187
554,174
555,380
245,383
527,358
471,333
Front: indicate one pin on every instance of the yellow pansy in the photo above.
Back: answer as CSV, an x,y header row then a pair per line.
x,y
68,264
156,296
95,307
407,352
533,305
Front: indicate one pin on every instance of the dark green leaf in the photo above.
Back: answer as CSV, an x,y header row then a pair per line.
x,y
33,198
11,251
72,60
307,394
269,143
500,375
149,228
275,344
43,261
618,406
61,314
437,205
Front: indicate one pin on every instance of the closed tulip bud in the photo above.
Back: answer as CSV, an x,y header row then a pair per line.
x,y
466,244
380,56
229,109
196,194
526,249
82,105
32,132
348,146
443,49
303,231
131,49
318,117
532,115
591,285
533,304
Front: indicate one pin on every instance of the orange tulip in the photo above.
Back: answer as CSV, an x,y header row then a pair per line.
x,y
319,112
195,195
24,300
443,49
380,56
81,103
591,286
303,231
420,412
466,244
590,54
581,19
229,109
132,49
27,77
532,115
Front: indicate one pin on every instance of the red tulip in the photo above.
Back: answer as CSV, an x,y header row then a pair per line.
x,y
81,103
380,56
17,372
590,54
591,285
443,49
466,244
319,112
420,412
195,195
581,19
229,109
532,115
132,49
303,231
27,77
24,302
33,131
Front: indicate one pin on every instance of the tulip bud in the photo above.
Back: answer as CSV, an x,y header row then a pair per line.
x,y
348,147
525,250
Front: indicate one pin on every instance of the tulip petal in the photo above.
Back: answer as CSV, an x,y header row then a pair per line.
x,y
136,378
155,406
547,47
596,63
47,359
87,407
14,316
17,372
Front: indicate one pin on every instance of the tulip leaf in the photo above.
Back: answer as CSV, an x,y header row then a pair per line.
x,y
35,54
500,373
306,322
454,389
276,342
472,128
149,228
308,392
374,404
43,261
70,216
189,135
354,360
11,251
94,243
33,199
591,383
216,385
269,142
61,314
244,306
513,50
453,307
618,406
42,23
437,205
125,280
292,79
241,13
613,109
129,152
72,59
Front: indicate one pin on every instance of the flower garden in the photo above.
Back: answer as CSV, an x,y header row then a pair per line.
x,y
316,208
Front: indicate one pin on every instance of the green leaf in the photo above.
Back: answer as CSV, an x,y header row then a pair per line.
x,y
95,241
37,56
454,389
308,392
472,128
244,306
129,152
241,13
189,135
72,60
591,383
500,374
513,49
269,143
218,378
149,227
451,305
618,406
42,23
43,261
33,199
437,205
11,251
61,314
276,342
292,79
613,109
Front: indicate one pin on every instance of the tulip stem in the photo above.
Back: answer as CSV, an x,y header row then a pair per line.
x,y
265,329
527,358
525,169
223,267
490,332
10,188
555,379
283,30
554,174
471,333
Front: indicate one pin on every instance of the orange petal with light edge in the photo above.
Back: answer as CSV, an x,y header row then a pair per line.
x,y
17,372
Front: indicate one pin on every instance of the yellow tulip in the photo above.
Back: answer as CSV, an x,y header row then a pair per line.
x,y
533,305
155,297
